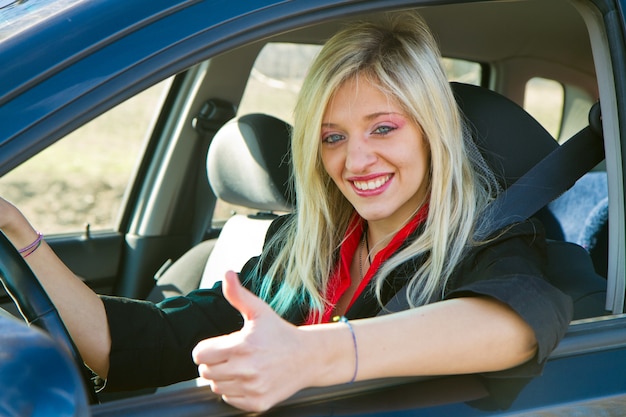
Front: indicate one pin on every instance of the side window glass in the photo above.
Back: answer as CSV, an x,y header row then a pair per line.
x,y
81,179
578,103
276,78
544,100
462,71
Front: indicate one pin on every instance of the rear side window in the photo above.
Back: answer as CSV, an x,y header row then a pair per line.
x,y
544,100
462,71
276,78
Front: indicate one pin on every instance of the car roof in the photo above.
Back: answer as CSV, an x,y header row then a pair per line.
x,y
488,31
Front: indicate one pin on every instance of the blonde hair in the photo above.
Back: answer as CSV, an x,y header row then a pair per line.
x,y
402,58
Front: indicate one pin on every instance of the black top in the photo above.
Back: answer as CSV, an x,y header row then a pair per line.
x,y
151,344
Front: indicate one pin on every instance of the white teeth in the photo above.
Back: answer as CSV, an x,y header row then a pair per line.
x,y
371,185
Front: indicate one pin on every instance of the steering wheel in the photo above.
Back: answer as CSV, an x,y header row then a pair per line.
x,y
35,306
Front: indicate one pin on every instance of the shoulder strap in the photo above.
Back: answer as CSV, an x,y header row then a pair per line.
x,y
550,178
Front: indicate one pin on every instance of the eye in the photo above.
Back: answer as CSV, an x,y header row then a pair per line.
x,y
383,130
332,138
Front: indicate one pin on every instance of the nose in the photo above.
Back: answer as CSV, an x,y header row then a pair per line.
x,y
360,155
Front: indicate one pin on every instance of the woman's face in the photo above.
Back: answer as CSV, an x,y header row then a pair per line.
x,y
374,153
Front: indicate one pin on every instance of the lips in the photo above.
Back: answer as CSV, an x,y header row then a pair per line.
x,y
372,184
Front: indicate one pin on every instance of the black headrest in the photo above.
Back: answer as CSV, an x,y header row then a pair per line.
x,y
510,140
248,163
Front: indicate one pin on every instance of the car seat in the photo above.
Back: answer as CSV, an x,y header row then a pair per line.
x,y
511,142
248,165
581,216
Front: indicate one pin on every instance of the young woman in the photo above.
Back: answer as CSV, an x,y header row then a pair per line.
x,y
391,191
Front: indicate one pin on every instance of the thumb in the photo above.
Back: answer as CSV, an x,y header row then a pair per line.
x,y
249,305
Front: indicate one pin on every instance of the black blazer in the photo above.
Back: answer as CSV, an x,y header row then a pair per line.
x,y
152,344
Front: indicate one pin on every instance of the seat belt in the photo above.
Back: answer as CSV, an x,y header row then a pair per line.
x,y
548,179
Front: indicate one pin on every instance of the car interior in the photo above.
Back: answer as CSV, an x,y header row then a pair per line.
x,y
511,142
218,144
508,61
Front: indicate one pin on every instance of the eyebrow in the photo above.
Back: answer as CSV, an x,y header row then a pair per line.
x,y
367,117
383,113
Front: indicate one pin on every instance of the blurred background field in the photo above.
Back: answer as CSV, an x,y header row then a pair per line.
x,y
82,178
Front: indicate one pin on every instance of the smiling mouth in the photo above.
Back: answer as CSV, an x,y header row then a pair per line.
x,y
371,184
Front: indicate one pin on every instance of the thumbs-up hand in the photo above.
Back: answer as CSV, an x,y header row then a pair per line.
x,y
261,364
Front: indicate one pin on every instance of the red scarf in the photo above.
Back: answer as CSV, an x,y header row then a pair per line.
x,y
340,280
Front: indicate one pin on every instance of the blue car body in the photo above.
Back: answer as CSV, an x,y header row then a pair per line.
x,y
28,357
64,62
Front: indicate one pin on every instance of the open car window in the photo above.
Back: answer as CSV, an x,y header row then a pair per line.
x,y
80,181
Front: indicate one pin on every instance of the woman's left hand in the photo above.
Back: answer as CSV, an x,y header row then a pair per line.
x,y
258,366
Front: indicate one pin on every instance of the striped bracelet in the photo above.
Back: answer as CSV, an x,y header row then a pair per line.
x,y
28,250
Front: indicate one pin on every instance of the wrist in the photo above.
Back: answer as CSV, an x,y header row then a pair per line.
x,y
332,353
345,321
32,247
